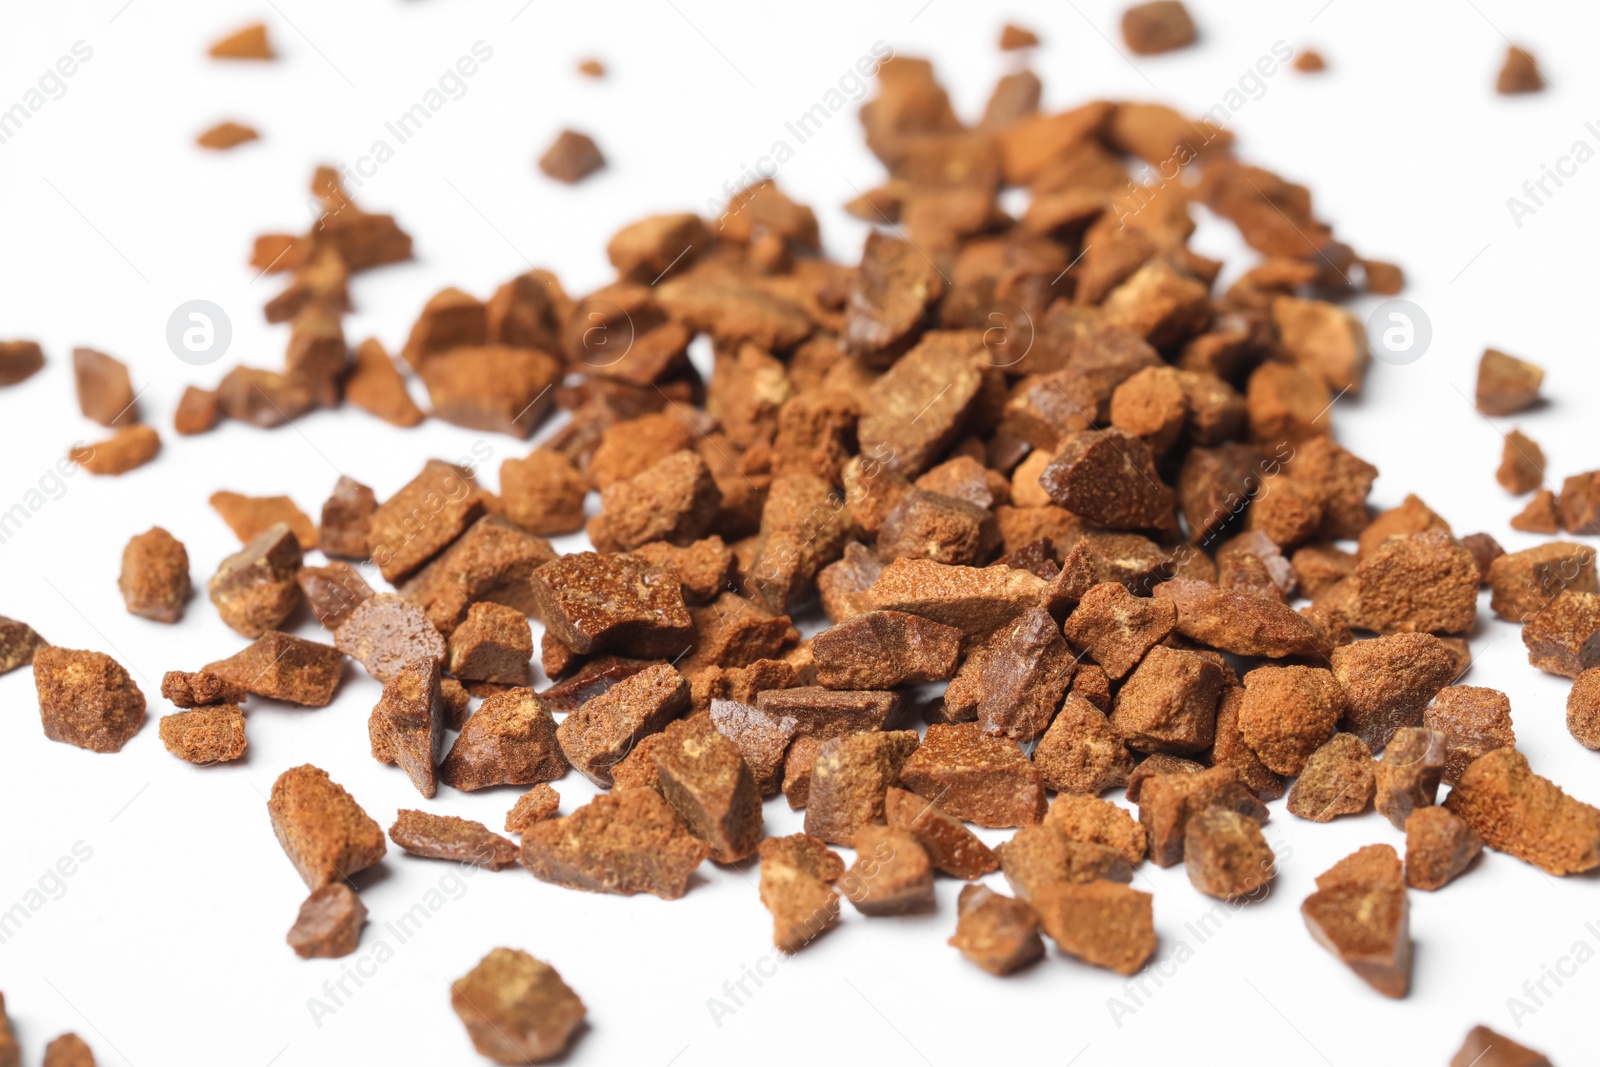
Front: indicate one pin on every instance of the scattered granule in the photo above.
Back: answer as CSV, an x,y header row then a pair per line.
x,y
1109,477
1412,516
597,603
1422,583
543,493
979,778
1169,703
1387,681
1233,620
333,592
1583,709
1115,628
1152,406
494,388
1474,721
795,872
422,518
199,689
248,516
19,361
226,135
704,777
316,354
1091,683
1286,404
892,874
1519,73
1156,27
1323,338
1338,779
572,157
850,778
601,732
1564,638
126,450
329,924
1020,677
1506,384
493,560
516,1009
951,847
284,667
375,386
1168,801
1524,583
68,1050
510,740
825,713
155,576
322,829
704,568
1081,752
976,600
625,842
1540,515
446,837
1439,846
1288,713
1037,856
1105,924
1226,855
927,525
456,703
1310,61
1580,503
1252,561
248,43
1097,822
637,770
1485,550
86,699
386,632
18,644
1013,38
994,931
406,726
1521,464
645,250
1518,812
255,589
105,392
539,803
734,632
592,68
262,398
1231,750
1485,1048
493,644
346,520
1359,913
213,733
1407,777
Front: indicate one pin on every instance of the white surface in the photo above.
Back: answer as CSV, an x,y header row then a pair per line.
x,y
166,947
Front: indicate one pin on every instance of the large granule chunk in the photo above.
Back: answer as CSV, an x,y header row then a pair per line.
x,y
495,388
1018,679
493,561
447,837
255,589
423,517
850,779
68,1050
994,931
892,874
1564,638
543,492
1506,384
1583,709
1109,477
1154,766
1037,856
493,644
883,649
1116,628
1226,854
1105,924
155,576
1474,720
510,740
1081,752
601,732
247,516
1097,822
1524,583
322,829
328,925
210,734
1360,914
406,726
1387,681
625,842
1233,620
951,847
386,632
916,409
927,525
795,872
1485,1048
705,779
1231,750
1167,802
86,699
19,361
1423,583
823,713
284,667
1338,779
674,500
333,592
1288,713
842,585
598,603
516,1009
762,739
1407,776
973,776
1516,811
1439,846
976,600
1169,703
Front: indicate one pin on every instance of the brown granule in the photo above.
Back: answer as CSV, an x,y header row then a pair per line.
x,y
226,135
951,847
328,926
1169,703
256,588
795,872
540,802
446,837
1519,73
333,592
704,777
1226,855
1360,914
572,157
1037,856
1408,775
197,411
1439,846
625,842
1580,503
19,361
1507,385
1231,750
68,1050
1518,812
346,520
592,68
892,874
155,576
1233,620
597,603
1116,629
1287,713
199,689
18,644
976,600
1310,61
493,388
420,520
1388,681
493,644
1253,561
600,733
284,667
1421,583
850,778
1013,684
248,516
1081,752
1485,550
126,450
1323,338
762,739
516,1009
1013,38
1485,1048
86,699
210,734
375,386
105,391
1109,477
493,560
1583,709
982,779
322,829
825,713
250,42
675,501
1168,801
1156,27
510,740
543,493
1097,822
262,398
999,934
386,632
1521,464
1338,779
1564,637
1474,721
1523,583
1104,924
406,726
704,568
1541,514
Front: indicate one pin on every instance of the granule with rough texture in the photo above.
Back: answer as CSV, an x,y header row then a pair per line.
x,y
386,632
600,733
333,592
19,644
406,726
247,516
994,931
705,779
1439,846
493,644
1388,681
1225,853
1518,812
516,1009
850,778
1407,777
1338,779
155,576
1359,913
322,829
1524,583
1564,638
1583,709
795,876
883,649
892,874
951,847
86,699
598,603
1097,822
199,688
446,837
1167,802
1040,855
625,842
510,740
540,802
1422,583
329,923
1230,749
1521,464
982,779
1540,515
255,589
1116,628
1474,720
210,734
284,667
1237,621
1169,703
1104,924
1081,752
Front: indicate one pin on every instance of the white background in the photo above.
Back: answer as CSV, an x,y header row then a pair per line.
x,y
167,945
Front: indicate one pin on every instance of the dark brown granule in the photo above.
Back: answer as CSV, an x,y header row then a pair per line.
x,y
422,518
1016,681
1226,855
1169,703
1474,720
703,776
999,934
284,667
329,923
516,1009
86,699
1485,1048
1439,846
1485,550
850,779
1116,629
386,632
598,603
19,361
155,576
1081,752
1338,779
1360,914
1388,681
1564,637
1098,822
624,842
126,450
795,872
951,847
1521,813
210,734
493,644
322,829
105,392
446,837
256,588
762,739
1109,477
347,520
1167,802
199,688
510,740
571,157
493,560
1158,26
1105,924
1408,774
605,728
540,802
333,592
1580,503
1519,73
982,779
892,874
824,713
1233,620
406,726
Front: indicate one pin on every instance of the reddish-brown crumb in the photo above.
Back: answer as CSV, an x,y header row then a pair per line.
x,y
572,157
1310,61
1226,854
18,644
250,42
892,874
1167,802
1116,629
1105,924
1360,914
1506,384
197,411
706,781
1521,464
1237,621
625,842
1439,846
795,872
510,740
347,520
86,699
1517,811
951,847
1081,752
1013,37
1169,704
1580,503
1583,709
68,1050
105,391
1157,26
540,802
597,603
516,1009
1519,73
543,493
284,667
493,644
1421,583
155,576
600,733
322,829
406,726
495,388
126,450
446,837
226,135
199,688
375,386
210,734
983,779
999,934
1485,1048
1407,777
850,779
428,513
248,516
329,924
333,592
256,588
1037,856
1541,514
19,361
1338,779
1387,681
1474,721
386,632
1564,638
1288,713
1097,822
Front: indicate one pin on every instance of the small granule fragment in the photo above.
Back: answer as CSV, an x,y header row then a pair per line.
x,y
543,493
262,398
1237,621
456,703
795,872
1156,27
226,135
248,43
68,1050
248,516
824,713
976,600
1564,638
1169,703
516,1009
1081,752
1474,720
19,361
705,779
1037,856
572,157
951,847
105,392
1338,779
1519,73
1439,846
1387,681
1580,503
1109,477
1155,765
1485,550
196,412
1407,776
284,667
155,576
255,589
347,520
126,450
18,644
1152,406
539,803
1506,384
1517,811
1310,61
994,931
386,632
493,560
675,500
375,386
704,568
1253,561
1097,822
605,728
1012,38
926,525
422,518
509,740
1583,709
446,837
333,592
1485,1048
1422,583
1231,750
892,874
1105,924
625,842
1360,914
86,699
1168,801
1521,464
199,689
1116,628
850,778
1225,854
592,68
322,829
329,924
1288,713
493,644
976,777
406,726
598,603
210,734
